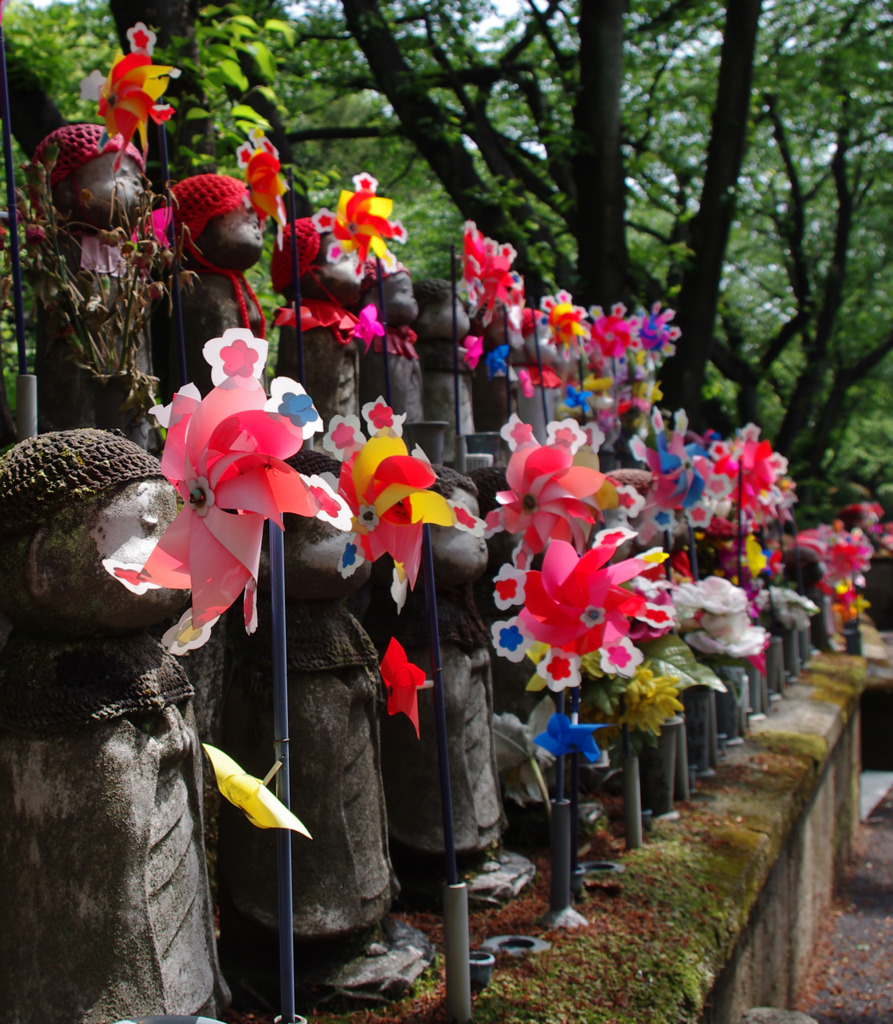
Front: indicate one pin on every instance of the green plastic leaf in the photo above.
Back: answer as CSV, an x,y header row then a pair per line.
x,y
670,655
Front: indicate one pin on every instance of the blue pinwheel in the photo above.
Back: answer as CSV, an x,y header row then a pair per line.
x,y
497,361
575,398
564,737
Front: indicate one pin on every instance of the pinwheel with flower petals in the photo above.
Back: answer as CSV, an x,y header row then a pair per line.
x,y
614,333
679,470
368,327
655,333
130,94
360,223
753,467
386,489
487,275
549,497
576,605
565,323
402,680
259,158
225,456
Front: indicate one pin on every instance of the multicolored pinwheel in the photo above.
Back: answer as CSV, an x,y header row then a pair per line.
x,y
259,158
566,325
360,223
129,96
755,470
225,456
613,333
575,605
387,491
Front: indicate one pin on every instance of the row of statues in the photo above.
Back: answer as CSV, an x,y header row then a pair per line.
x,y
222,240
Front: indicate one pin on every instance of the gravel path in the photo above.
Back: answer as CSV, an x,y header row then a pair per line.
x,y
852,978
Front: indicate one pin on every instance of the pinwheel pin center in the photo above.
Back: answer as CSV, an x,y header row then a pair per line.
x,y
201,497
528,503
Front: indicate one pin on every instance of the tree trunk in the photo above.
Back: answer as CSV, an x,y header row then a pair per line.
x,y
683,375
598,159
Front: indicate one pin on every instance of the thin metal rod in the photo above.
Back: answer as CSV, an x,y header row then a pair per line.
x,y
12,212
283,780
296,275
575,785
508,363
455,298
383,320
440,727
176,302
539,363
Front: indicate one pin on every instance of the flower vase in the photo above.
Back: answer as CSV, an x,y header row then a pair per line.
x,y
657,769
805,646
791,653
759,697
775,668
682,787
699,705
852,637
429,435
728,704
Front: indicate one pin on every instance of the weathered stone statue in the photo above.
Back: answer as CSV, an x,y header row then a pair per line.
x,y
92,353
434,327
223,239
404,369
105,902
342,877
328,291
410,765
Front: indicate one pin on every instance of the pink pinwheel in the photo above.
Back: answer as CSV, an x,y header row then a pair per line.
x,y
566,324
361,223
368,327
225,456
575,605
614,333
402,680
754,467
549,497
487,274
260,160
130,94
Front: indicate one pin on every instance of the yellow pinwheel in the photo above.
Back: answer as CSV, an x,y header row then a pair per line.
x,y
251,795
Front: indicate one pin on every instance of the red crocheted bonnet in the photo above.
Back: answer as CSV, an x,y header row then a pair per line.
x,y
370,272
308,249
204,196
79,144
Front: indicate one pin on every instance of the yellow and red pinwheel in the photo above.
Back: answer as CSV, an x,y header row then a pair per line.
x,y
260,160
361,224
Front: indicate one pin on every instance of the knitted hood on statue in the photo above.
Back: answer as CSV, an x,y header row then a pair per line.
x,y
78,144
196,201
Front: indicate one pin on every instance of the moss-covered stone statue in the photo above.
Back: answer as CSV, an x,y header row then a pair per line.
x,y
223,237
329,290
410,767
91,263
105,902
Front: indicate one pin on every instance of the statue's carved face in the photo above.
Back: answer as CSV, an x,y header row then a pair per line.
x,y
98,195
234,240
435,321
333,281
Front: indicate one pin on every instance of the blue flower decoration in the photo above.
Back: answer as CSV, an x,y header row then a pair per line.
x,y
298,408
511,638
349,556
562,737
497,361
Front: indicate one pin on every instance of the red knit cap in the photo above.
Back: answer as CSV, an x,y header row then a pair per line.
x,y
308,249
204,196
370,272
79,144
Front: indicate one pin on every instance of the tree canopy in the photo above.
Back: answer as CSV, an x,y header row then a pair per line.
x,y
732,160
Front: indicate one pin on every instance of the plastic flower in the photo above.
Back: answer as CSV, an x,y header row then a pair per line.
x,y
564,737
716,613
259,158
360,223
130,94
565,323
402,680
225,456
649,700
250,794
548,497
368,327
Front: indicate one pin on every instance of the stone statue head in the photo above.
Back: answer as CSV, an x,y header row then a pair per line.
x,y
70,500
435,319
83,181
321,278
223,229
401,307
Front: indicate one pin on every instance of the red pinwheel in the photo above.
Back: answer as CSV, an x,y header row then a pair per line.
x,y
260,160
487,274
402,680
361,223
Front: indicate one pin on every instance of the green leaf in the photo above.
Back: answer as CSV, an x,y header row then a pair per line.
x,y
283,27
670,655
232,73
194,113
266,62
